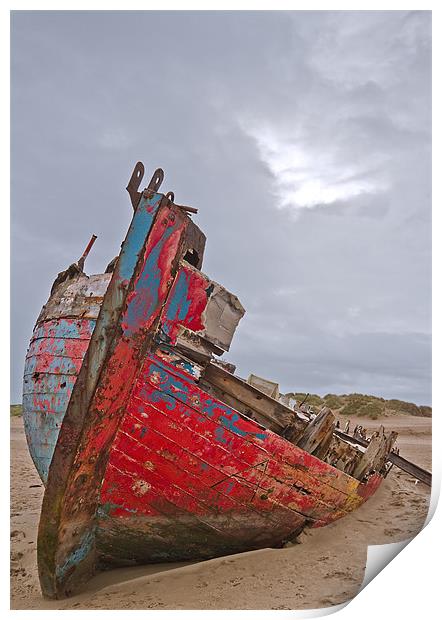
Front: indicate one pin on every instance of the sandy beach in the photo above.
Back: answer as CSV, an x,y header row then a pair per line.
x,y
326,567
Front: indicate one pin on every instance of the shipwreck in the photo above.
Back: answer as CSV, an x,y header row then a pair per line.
x,y
150,448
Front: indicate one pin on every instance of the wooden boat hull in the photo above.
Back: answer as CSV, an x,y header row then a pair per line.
x,y
187,477
220,470
147,465
53,360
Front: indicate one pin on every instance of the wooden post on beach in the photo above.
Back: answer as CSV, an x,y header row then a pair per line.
x,y
376,453
318,430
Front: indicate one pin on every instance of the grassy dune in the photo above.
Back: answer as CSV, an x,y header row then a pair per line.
x,y
364,405
16,410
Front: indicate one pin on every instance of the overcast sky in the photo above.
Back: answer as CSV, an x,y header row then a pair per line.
x,y
303,138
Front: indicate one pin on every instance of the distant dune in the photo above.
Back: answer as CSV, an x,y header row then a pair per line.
x,y
16,409
363,405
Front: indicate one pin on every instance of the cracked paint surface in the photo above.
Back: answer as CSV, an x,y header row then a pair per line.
x,y
148,466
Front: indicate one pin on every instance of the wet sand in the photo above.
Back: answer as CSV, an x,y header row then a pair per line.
x,y
326,568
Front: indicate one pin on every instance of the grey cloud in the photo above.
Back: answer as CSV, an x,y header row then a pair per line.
x,y
337,294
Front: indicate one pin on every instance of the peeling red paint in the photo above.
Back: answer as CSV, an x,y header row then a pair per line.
x,y
149,464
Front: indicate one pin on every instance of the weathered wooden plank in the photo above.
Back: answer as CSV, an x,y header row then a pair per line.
x,y
65,328
46,424
276,414
167,386
51,368
178,364
46,403
223,313
52,364
53,360
317,431
179,537
211,500
48,383
80,296
376,453
164,497
342,455
215,459
411,468
302,461
186,303
238,405
154,455
74,348
264,385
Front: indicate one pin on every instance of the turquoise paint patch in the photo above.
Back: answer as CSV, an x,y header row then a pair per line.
x,y
65,328
178,390
42,416
146,293
179,303
229,487
44,423
137,234
169,383
230,424
219,435
78,555
229,419
106,508
160,397
58,365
